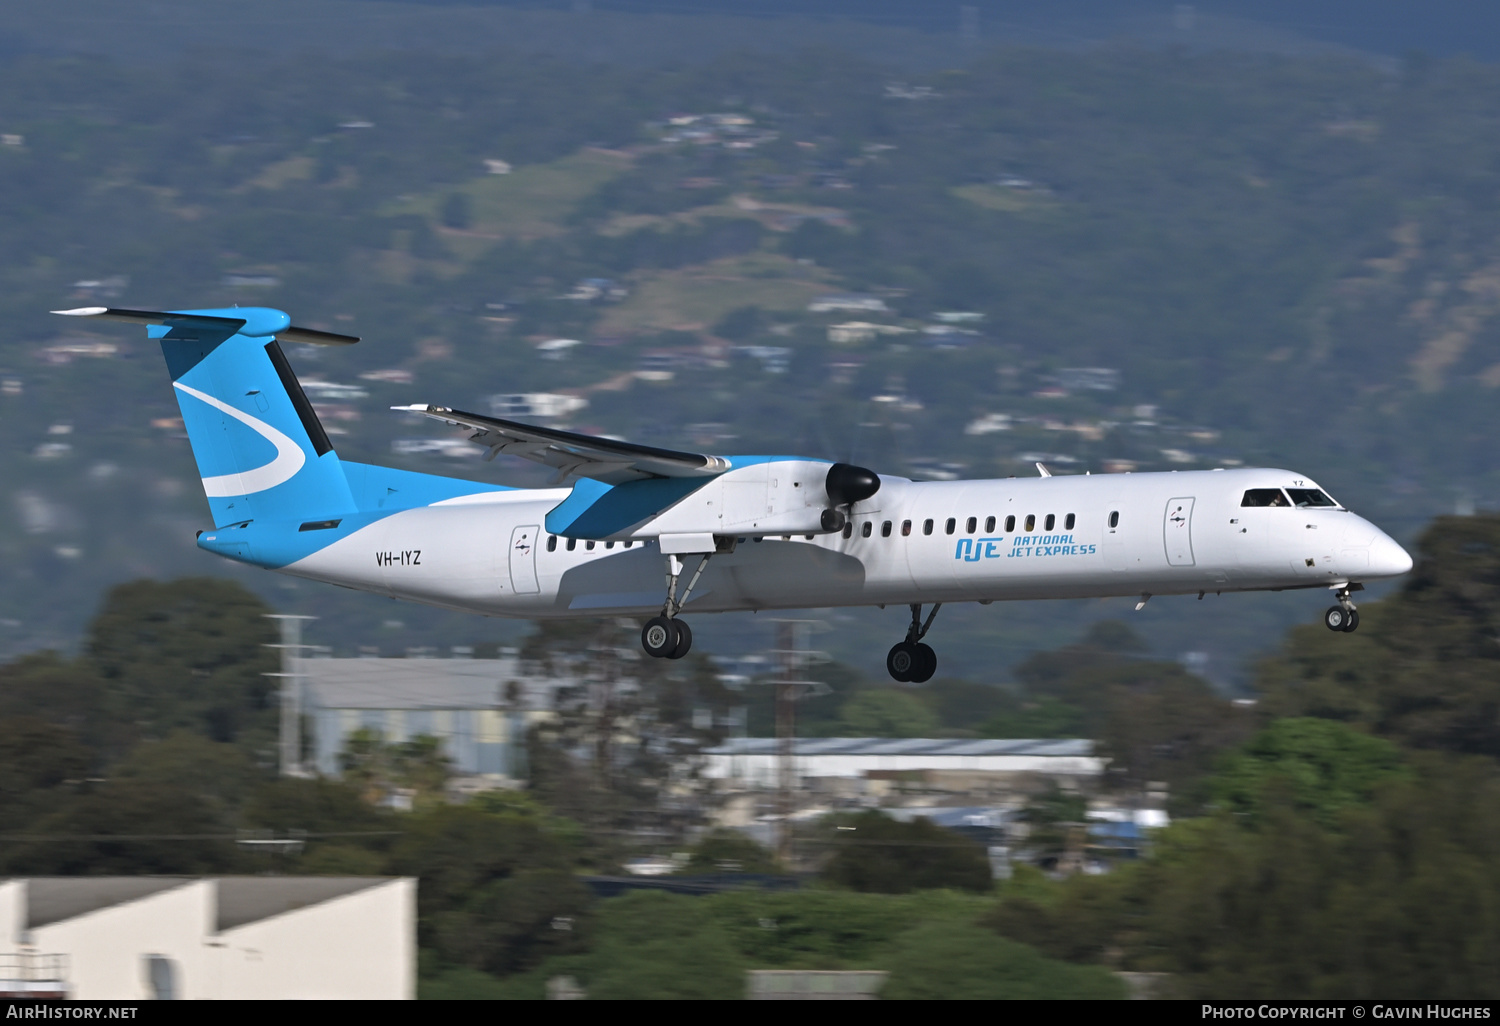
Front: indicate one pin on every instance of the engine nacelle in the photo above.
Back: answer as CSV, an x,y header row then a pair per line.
x,y
775,496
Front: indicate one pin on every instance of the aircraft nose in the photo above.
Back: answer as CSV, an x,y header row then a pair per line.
x,y
1388,559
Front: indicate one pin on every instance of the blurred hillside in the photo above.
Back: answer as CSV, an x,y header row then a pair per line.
x,y
1108,260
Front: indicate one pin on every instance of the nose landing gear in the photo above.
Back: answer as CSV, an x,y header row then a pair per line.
x,y
1343,617
911,661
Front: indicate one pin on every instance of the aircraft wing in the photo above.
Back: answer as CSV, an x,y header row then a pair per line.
x,y
574,455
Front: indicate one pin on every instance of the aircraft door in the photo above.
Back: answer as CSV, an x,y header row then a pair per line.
x,y
523,559
1177,532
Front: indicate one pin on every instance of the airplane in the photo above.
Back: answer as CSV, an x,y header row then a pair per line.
x,y
623,524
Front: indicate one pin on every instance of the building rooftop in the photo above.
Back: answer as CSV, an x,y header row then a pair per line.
x,y
248,899
408,683
239,899
51,899
1069,747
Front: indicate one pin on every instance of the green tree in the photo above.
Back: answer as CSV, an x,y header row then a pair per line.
x,y
1327,766
190,654
886,712
67,694
377,767
654,945
128,827
497,890
963,961
723,850
872,852
1422,669
37,760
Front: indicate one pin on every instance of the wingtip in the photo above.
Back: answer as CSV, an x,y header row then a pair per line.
x,y
82,311
420,408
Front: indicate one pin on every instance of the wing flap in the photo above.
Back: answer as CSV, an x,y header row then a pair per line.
x,y
572,454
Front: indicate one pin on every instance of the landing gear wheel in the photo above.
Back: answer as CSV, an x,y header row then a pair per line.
x,y
1337,618
684,640
902,660
926,664
659,637
1353,624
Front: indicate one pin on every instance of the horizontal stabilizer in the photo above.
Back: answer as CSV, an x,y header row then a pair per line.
x,y
575,455
256,322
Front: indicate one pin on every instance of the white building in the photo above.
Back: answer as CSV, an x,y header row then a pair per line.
x,y
854,332
750,762
127,938
851,301
536,404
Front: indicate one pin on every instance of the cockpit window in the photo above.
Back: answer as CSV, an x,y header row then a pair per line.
x,y
1310,498
1265,497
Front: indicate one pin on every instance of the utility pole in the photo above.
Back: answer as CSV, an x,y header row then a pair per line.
x,y
607,667
290,742
792,657
786,735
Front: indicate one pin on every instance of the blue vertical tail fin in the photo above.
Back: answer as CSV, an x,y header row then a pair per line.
x,y
261,452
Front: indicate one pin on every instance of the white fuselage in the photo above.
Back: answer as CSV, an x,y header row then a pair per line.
x,y
1172,533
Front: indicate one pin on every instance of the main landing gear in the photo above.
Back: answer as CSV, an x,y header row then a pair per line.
x,y
911,661
665,636
1342,617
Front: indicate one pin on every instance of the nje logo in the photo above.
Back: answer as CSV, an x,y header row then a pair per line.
x,y
972,550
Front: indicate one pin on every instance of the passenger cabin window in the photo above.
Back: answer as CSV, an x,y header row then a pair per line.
x,y
927,527
1010,524
989,525
885,529
1114,519
849,529
971,524
1264,497
1030,522
589,545
950,525
864,532
906,528
551,543
1311,498
572,544
1049,523
1069,522
609,545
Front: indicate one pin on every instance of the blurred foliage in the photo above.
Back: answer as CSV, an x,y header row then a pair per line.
x,y
378,768
728,851
873,852
654,944
1345,841
886,712
497,889
1322,765
1424,667
960,961
1391,899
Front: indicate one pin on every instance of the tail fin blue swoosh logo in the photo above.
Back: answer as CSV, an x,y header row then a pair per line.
x,y
289,455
